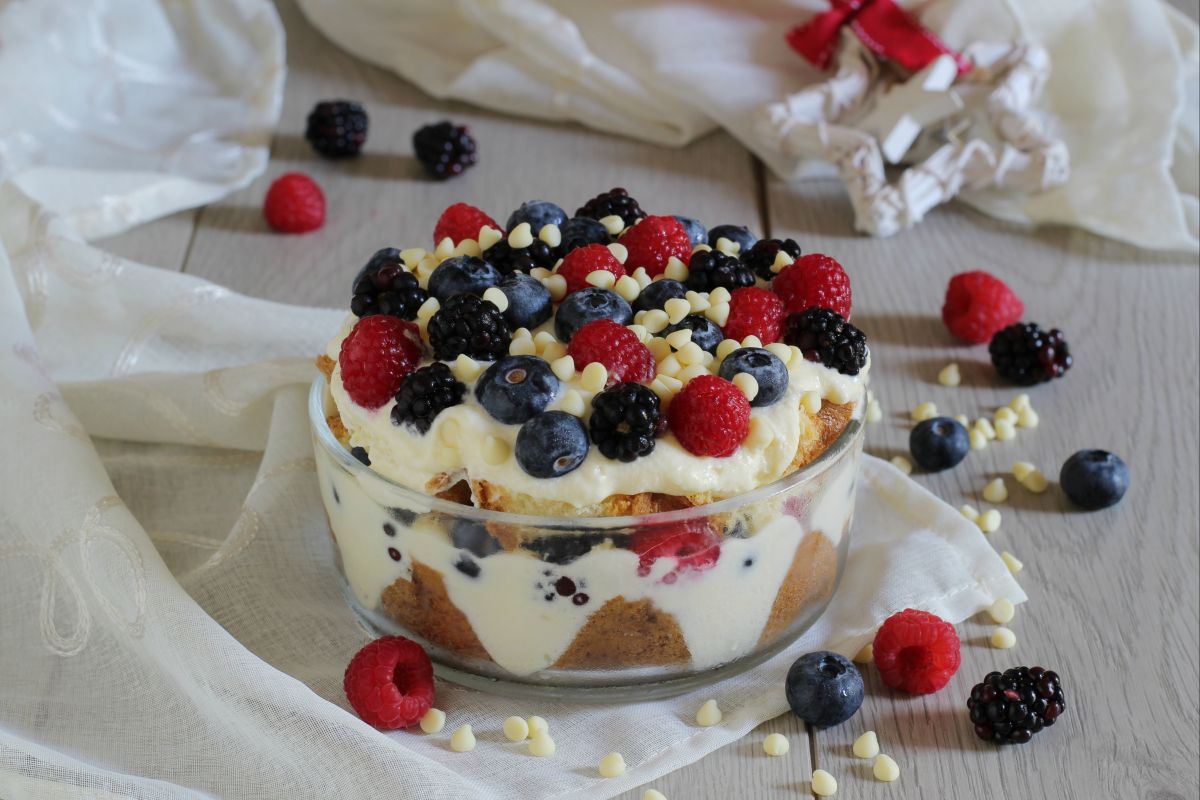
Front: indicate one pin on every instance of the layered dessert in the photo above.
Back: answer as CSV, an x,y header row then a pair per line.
x,y
606,447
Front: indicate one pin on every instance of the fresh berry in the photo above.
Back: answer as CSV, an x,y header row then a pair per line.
x,y
466,324
653,241
823,335
813,281
389,683
539,214
1010,708
710,417
916,652
529,303
613,202
705,332
1025,354
424,394
691,545
616,347
361,454
580,232
466,534
384,286
336,128
764,366
939,443
551,444
1094,479
461,221
508,259
294,204
824,689
444,149
697,233
557,549
589,304
462,274
755,312
517,388
656,294
739,234
712,268
978,305
375,356
625,421
761,257
581,262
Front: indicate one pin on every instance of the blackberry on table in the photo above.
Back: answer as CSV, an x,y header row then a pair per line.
x,y
615,201
424,394
761,256
825,336
509,259
1011,707
1025,354
336,128
625,421
384,286
445,149
712,268
466,324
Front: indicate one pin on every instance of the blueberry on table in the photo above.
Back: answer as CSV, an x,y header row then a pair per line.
x,y
762,365
1094,479
939,443
551,444
587,305
462,274
516,388
824,689
538,213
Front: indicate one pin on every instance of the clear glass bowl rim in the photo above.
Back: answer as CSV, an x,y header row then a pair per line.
x,y
812,470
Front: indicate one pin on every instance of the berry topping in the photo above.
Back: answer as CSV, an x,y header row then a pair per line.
x,y
508,259
384,286
589,304
580,232
939,443
467,324
978,305
444,149
823,335
375,356
551,444
539,214
294,204
336,128
705,332
712,268
1094,479
739,234
389,683
710,417
424,394
658,293
755,312
697,234
764,366
761,257
614,346
516,388
461,221
693,545
1025,354
654,240
1010,708
625,421
814,281
529,303
583,261
916,652
613,202
824,689
462,274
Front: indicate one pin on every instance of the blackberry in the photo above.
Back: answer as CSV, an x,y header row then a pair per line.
x,y
468,324
1010,708
509,259
567,545
712,268
384,286
424,394
762,255
825,336
614,201
1025,354
625,421
444,149
336,128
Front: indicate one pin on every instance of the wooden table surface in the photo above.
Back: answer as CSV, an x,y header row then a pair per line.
x,y
1114,601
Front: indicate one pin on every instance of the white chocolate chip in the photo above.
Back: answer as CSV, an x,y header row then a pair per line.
x,y
1022,468
674,384
687,374
520,236
989,521
1005,414
719,295
449,433
468,247
885,768
613,224
924,411
677,308
433,721
985,427
1005,431
656,319
540,273
1012,562
691,353
495,450
428,309
541,745
557,286
563,368
752,341
620,252
488,236
522,333
701,248
811,400
496,297
776,744
866,655
463,740
783,353
760,433
411,256
551,235
746,382
543,338
516,729
823,784
1035,482
653,794
709,714
726,347
727,246
572,403
670,366
658,347
612,766
642,277
995,491
874,412
594,376
698,302
444,249
676,270
837,394
1027,418
903,464
659,388
628,288
639,331
1002,638
537,725
970,512
1002,611
718,313
961,419
522,346
679,338
977,439
867,745
782,259
601,278
949,375
1019,402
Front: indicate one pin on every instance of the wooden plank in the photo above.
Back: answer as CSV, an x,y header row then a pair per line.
x,y
162,243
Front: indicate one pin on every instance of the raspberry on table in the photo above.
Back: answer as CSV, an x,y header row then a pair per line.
x,y
693,544
712,268
445,149
385,286
823,335
375,357
814,281
978,305
466,324
424,394
461,221
336,128
614,346
583,261
761,256
294,204
615,201
625,421
653,241
754,312
1025,354
710,417
389,683
1011,707
916,652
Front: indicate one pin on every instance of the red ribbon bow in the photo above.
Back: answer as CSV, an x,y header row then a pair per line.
x,y
886,29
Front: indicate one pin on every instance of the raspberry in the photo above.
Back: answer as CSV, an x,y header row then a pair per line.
x,y
294,204
693,544
754,312
445,149
654,240
710,417
583,261
336,128
614,346
461,221
389,683
978,304
916,651
379,351
814,281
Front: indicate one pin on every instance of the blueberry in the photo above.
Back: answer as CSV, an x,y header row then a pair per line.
x,y
695,229
824,689
516,388
462,275
734,233
529,302
580,232
551,444
704,331
1094,479
375,262
938,443
587,305
538,213
658,293
473,537
762,365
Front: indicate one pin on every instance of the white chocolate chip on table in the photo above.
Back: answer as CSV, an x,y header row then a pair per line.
x,y
1002,638
776,744
903,464
1002,611
653,794
949,375
866,746
866,655
541,745
924,411
612,766
463,740
995,491
537,725
433,721
989,521
885,768
823,784
516,729
709,714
